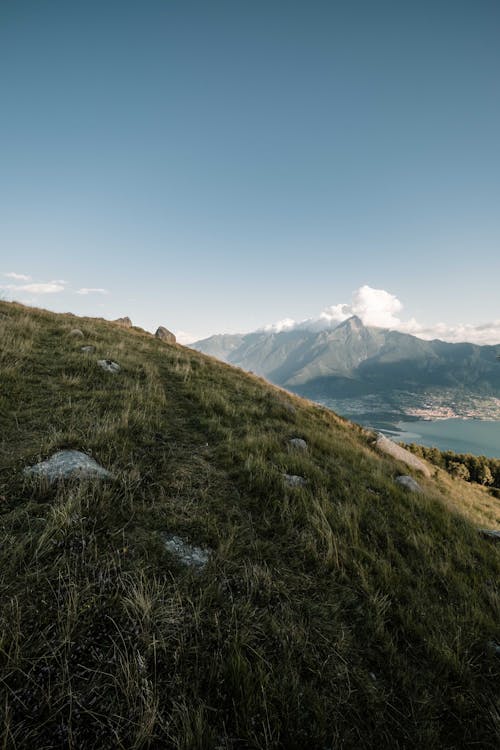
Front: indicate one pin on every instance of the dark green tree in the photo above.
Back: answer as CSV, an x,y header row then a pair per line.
x,y
458,470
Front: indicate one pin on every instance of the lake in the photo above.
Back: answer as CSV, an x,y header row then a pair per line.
x,y
475,436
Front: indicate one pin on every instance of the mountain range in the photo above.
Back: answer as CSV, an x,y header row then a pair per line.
x,y
354,360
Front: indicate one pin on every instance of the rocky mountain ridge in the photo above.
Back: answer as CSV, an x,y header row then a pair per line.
x,y
356,360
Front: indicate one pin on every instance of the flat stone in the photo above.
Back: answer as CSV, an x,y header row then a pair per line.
x,y
187,554
88,349
109,365
401,454
409,483
298,444
493,534
293,480
68,464
165,335
76,333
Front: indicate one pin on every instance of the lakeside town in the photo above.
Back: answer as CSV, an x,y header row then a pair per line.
x,y
434,405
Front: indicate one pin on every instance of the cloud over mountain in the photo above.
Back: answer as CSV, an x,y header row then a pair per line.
x,y
380,308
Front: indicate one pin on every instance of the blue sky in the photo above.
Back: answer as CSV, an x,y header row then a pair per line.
x,y
218,166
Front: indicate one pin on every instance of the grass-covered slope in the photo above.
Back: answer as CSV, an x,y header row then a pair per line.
x,y
347,613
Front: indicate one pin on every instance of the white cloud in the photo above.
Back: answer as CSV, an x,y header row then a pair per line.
x,y
17,276
377,307
483,333
92,290
43,287
184,337
287,324
50,287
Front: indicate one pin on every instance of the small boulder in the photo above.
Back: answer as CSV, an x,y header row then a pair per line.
x,y
165,335
408,483
88,349
194,557
125,322
109,365
401,454
297,444
285,404
492,534
493,648
293,480
76,333
68,464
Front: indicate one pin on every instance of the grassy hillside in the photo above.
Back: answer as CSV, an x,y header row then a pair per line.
x,y
347,613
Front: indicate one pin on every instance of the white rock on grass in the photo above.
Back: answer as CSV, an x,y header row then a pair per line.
x,y
401,454
298,444
293,480
68,464
194,557
493,534
88,349
109,365
409,483
76,333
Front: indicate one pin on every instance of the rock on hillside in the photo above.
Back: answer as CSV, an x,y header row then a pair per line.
x,y
401,454
409,483
125,322
68,464
165,335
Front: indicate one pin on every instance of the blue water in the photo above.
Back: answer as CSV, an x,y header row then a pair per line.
x,y
474,436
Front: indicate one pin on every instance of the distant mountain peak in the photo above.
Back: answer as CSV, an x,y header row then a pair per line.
x,y
353,322
353,359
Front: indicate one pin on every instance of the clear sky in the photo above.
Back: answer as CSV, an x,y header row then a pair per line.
x,y
218,166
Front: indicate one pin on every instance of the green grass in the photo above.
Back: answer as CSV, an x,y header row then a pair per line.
x,y
344,614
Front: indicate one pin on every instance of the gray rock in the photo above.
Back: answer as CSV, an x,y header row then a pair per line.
x,y
293,480
68,464
493,534
401,454
493,648
109,365
88,349
409,483
195,557
125,322
298,444
165,335
76,333
286,405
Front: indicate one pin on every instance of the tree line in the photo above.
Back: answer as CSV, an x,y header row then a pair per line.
x,y
479,469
